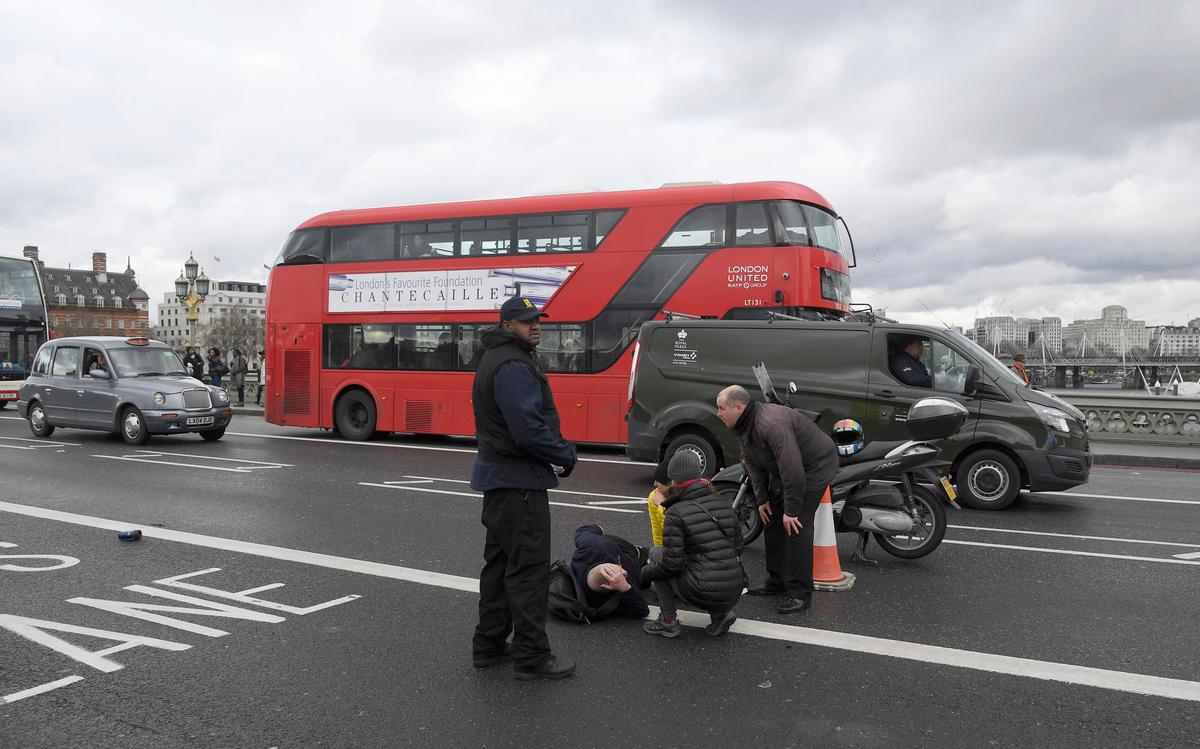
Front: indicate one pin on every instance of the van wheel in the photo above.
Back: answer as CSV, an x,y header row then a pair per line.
x,y
698,444
355,416
38,423
988,480
133,427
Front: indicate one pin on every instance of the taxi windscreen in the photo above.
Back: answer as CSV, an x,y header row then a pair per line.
x,y
145,362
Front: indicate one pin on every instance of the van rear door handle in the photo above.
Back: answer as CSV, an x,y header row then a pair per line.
x,y
886,394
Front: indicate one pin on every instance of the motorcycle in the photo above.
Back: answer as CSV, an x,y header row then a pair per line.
x,y
876,492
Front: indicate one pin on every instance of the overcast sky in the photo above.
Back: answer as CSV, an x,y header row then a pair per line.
x,y
1005,158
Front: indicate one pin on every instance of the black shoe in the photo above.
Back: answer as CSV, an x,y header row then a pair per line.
x,y
554,667
720,624
495,659
795,605
766,589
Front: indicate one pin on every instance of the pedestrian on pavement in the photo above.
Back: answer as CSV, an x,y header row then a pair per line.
x,y
521,454
1018,366
216,366
698,562
261,361
194,363
791,463
237,373
609,566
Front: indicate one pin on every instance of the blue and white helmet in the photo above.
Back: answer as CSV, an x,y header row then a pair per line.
x,y
848,435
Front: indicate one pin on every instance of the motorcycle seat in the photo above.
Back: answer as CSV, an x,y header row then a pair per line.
x,y
872,451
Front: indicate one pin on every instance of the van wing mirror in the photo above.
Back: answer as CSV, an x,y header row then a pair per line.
x,y
971,381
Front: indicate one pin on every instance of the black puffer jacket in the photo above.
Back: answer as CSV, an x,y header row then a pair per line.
x,y
703,556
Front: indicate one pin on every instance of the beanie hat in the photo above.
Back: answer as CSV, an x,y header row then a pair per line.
x,y
684,466
660,473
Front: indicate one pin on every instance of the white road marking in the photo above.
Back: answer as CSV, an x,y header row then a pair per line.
x,y
476,495
552,491
1118,496
1100,678
42,689
1192,555
1068,552
150,456
1071,535
395,446
39,443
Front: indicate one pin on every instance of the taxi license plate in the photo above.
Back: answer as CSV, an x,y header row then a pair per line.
x,y
948,487
197,421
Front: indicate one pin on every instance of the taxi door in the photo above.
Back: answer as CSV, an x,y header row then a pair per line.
x,y
59,396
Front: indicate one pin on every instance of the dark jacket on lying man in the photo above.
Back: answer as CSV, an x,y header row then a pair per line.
x,y
593,550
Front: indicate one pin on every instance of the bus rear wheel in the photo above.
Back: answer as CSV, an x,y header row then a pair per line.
x,y
355,416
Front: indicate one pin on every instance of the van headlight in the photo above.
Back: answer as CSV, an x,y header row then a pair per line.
x,y
222,396
160,399
1053,418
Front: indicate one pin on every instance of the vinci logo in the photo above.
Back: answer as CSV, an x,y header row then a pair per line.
x,y
681,335
340,283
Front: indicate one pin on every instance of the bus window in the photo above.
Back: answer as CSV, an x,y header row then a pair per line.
x,y
561,348
824,225
306,245
751,226
658,278
421,239
701,227
565,232
469,347
795,226
612,332
366,242
605,221
491,236
424,347
366,346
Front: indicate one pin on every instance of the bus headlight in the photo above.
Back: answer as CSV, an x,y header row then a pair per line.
x,y
160,399
1053,418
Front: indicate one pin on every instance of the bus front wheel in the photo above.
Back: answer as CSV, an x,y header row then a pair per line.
x,y
355,416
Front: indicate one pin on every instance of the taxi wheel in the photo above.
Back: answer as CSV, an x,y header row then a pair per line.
x,y
133,427
212,435
988,480
38,423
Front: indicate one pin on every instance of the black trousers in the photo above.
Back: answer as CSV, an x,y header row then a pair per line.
x,y
514,584
790,558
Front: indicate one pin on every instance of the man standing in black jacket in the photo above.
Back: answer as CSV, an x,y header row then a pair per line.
x,y
521,455
791,463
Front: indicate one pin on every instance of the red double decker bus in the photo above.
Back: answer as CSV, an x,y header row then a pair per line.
x,y
373,316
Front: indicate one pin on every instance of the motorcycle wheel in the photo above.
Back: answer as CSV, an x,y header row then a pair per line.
x,y
747,514
924,539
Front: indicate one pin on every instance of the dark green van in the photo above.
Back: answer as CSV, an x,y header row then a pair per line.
x,y
1017,437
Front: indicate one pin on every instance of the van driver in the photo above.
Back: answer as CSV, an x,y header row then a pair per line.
x,y
905,362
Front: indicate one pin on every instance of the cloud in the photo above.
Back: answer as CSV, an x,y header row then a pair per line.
x,y
1025,152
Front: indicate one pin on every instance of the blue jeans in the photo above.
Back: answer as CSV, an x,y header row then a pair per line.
x,y
216,380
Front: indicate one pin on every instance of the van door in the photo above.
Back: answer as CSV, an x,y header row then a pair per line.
x,y
888,399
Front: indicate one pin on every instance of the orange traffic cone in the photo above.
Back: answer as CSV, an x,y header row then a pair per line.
x,y
827,570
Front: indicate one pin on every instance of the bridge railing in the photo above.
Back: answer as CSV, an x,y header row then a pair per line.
x,y
1120,417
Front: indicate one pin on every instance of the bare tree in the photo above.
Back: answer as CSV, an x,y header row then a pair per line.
x,y
236,328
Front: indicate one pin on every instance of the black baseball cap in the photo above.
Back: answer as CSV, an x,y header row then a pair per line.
x,y
520,308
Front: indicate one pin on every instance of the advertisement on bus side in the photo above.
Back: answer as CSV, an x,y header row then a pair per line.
x,y
443,290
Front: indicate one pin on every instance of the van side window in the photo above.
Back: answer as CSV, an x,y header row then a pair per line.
x,y
908,359
949,367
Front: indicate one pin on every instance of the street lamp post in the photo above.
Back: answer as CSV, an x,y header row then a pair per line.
x,y
190,290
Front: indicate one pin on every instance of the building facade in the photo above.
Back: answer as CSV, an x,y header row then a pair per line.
x,y
93,302
224,297
1113,331
1176,340
1006,334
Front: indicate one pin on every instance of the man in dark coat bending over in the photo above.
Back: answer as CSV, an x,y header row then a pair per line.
x,y
790,462
521,455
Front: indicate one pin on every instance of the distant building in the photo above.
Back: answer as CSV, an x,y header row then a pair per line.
x,y
223,298
95,302
1113,331
1010,335
1176,340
